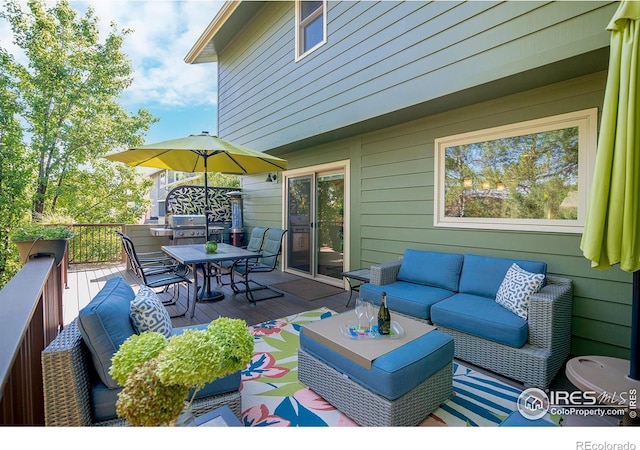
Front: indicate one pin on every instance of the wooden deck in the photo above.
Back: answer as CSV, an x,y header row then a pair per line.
x,y
84,282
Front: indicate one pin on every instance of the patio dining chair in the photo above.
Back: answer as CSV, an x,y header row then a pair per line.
x,y
156,273
267,262
255,245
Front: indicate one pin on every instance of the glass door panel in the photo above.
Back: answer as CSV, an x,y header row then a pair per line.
x,y
299,222
329,224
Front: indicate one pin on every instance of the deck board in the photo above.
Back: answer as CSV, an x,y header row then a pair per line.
x,y
85,281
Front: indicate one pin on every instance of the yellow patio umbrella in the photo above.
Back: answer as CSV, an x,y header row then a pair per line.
x,y
612,228
200,153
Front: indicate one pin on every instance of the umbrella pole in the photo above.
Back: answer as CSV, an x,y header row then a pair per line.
x,y
206,200
635,322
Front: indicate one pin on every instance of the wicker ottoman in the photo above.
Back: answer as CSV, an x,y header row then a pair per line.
x,y
401,388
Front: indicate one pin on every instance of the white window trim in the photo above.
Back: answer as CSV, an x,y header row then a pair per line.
x,y
586,120
299,25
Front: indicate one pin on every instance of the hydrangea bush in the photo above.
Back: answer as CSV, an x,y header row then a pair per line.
x,y
157,373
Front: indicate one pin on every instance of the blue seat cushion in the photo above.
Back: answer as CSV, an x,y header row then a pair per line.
x,y
105,324
395,373
431,268
483,275
103,399
482,317
411,299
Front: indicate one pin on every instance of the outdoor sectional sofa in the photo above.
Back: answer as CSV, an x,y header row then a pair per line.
x,y
78,390
457,293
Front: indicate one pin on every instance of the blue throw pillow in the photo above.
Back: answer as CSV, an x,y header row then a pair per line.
x,y
149,314
517,288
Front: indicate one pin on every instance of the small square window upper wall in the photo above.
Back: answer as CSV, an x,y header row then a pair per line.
x,y
311,26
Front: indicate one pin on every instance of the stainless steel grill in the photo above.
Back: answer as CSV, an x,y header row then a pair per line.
x,y
187,228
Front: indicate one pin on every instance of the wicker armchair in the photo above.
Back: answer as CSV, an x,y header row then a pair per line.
x,y
67,373
548,346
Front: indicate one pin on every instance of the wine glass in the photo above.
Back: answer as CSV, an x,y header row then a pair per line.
x,y
360,310
370,313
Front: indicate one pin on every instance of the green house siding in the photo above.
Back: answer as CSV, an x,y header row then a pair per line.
x,y
388,62
392,205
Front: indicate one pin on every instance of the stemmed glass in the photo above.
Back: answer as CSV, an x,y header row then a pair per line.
x,y
360,310
370,313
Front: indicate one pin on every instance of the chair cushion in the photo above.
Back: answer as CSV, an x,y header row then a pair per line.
x,y
516,289
483,275
412,299
103,399
482,317
431,268
105,324
149,314
395,373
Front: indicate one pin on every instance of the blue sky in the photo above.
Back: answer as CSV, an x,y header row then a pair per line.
x,y
181,95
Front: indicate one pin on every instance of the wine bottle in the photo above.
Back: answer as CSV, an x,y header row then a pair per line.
x,y
384,318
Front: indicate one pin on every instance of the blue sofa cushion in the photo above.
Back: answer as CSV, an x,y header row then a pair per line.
x,y
395,373
412,299
105,324
103,399
482,317
483,275
431,268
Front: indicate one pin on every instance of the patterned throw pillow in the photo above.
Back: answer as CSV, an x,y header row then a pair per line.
x,y
149,314
516,289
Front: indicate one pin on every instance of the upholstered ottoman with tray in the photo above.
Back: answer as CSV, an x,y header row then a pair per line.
x,y
383,381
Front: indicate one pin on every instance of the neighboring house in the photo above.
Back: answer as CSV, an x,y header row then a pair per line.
x,y
369,101
163,181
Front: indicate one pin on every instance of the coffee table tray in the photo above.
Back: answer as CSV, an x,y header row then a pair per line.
x,y
351,330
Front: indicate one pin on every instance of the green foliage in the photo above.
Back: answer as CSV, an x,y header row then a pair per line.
x,y
147,402
157,375
68,94
39,231
15,169
137,349
197,357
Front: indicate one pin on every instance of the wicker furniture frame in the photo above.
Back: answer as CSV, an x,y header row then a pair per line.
x,y
66,366
548,346
370,409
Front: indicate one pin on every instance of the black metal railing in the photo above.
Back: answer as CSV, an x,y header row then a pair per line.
x,y
95,243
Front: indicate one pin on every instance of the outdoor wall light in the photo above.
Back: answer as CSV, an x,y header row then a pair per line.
x,y
272,178
467,182
486,185
500,186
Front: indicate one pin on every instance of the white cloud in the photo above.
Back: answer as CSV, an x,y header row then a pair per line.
x,y
163,33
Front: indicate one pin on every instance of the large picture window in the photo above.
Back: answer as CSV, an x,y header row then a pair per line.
x,y
311,26
532,175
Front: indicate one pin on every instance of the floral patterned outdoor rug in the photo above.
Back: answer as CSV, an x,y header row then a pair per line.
x,y
273,396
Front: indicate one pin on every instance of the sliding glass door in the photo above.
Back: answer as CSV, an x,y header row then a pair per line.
x,y
315,219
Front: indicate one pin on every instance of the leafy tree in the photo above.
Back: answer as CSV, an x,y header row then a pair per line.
x,y
68,93
13,170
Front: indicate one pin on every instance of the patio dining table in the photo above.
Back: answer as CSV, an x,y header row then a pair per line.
x,y
195,256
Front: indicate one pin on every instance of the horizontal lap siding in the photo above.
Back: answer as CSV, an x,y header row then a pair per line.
x,y
384,56
392,174
418,51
